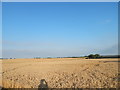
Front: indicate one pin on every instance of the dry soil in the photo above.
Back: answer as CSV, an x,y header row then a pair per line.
x,y
60,73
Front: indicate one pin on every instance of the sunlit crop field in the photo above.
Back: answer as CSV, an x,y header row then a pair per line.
x,y
60,73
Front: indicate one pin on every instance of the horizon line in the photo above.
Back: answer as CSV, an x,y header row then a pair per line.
x,y
57,56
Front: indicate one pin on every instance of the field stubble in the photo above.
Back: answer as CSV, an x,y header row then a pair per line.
x,y
60,73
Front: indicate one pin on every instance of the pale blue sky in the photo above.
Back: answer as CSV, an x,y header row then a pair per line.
x,y
59,29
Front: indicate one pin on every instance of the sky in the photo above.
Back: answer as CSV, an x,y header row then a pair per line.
x,y
59,29
0,29
60,0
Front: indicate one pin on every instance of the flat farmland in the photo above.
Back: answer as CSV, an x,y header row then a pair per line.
x,y
60,73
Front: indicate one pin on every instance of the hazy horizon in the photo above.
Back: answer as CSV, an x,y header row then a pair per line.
x,y
49,29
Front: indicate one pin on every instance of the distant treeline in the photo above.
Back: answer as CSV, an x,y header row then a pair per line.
x,y
95,56
56,57
91,56
7,58
111,56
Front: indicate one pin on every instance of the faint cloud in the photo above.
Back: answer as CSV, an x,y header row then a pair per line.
x,y
105,21
108,21
26,44
110,50
45,49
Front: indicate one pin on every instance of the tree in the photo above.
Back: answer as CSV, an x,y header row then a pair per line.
x,y
91,56
97,56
